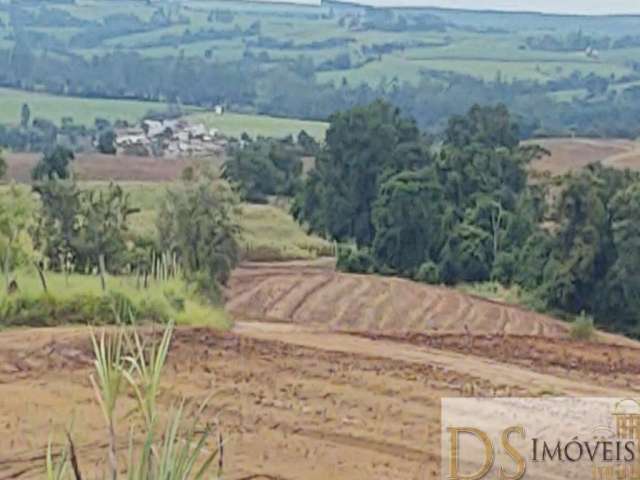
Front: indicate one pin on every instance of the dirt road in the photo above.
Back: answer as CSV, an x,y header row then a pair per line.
x,y
293,402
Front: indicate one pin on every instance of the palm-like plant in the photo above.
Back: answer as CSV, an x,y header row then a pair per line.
x,y
179,452
110,373
145,371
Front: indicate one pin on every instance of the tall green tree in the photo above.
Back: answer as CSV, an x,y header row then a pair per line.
x,y
618,297
78,227
484,125
363,146
107,142
56,225
264,167
408,219
102,227
25,115
196,221
17,211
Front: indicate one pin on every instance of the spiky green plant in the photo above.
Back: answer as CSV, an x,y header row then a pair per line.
x,y
179,452
182,455
56,469
145,372
108,385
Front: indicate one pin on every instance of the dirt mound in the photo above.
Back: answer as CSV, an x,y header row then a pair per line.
x,y
316,294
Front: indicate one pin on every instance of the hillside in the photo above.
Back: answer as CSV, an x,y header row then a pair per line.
x,y
316,295
305,61
570,154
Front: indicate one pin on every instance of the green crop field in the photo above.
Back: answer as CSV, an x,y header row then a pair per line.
x,y
235,125
475,43
83,110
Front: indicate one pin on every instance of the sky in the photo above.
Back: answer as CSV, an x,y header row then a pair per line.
x,y
584,7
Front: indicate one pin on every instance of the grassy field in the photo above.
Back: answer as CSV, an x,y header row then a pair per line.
x,y
83,110
268,232
476,43
235,125
80,299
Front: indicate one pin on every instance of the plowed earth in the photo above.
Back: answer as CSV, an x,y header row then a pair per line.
x,y
339,379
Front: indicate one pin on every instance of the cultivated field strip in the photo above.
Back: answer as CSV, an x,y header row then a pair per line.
x,y
313,293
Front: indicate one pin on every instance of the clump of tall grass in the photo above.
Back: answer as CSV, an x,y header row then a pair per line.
x,y
79,299
180,451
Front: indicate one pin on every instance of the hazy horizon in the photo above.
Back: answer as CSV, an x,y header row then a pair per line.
x,y
574,7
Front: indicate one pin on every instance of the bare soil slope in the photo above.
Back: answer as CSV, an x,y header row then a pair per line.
x,y
95,166
313,293
568,154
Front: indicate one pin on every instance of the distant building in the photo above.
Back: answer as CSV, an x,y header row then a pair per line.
x,y
173,138
591,52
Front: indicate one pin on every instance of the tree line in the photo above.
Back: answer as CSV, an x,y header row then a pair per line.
x,y
469,211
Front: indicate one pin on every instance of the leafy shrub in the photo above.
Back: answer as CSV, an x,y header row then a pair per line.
x,y
428,273
353,260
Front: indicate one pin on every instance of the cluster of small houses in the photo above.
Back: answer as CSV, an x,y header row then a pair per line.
x,y
169,138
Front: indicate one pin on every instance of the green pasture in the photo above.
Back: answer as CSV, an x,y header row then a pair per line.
x,y
234,124
83,110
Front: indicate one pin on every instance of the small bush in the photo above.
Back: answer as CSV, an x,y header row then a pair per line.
x,y
429,273
353,260
582,328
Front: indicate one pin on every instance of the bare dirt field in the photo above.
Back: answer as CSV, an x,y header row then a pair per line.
x,y
306,399
96,166
314,293
568,154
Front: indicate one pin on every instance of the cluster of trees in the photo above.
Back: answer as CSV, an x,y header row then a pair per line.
x,y
85,230
467,212
266,166
197,221
572,42
40,135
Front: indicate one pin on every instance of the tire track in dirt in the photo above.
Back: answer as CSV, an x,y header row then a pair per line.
x,y
476,367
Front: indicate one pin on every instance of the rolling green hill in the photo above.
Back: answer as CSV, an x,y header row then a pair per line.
x,y
560,73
